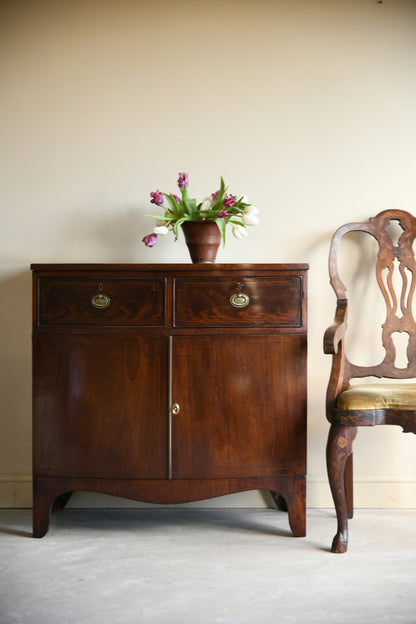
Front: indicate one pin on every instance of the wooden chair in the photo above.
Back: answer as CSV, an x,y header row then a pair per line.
x,y
349,406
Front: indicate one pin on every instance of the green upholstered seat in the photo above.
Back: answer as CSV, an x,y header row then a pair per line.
x,y
378,396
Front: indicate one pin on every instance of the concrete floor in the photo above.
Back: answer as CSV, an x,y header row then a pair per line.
x,y
206,566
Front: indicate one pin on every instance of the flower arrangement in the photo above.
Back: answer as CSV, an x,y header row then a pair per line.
x,y
221,207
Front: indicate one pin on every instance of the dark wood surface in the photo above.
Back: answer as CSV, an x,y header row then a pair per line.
x,y
105,380
100,404
395,234
206,303
65,301
252,380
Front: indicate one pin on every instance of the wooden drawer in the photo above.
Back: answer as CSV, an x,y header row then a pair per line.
x,y
259,302
101,302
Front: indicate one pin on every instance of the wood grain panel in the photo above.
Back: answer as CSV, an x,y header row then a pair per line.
x,y
206,302
100,406
133,302
242,406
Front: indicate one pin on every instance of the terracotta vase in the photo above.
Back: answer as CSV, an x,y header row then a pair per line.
x,y
203,239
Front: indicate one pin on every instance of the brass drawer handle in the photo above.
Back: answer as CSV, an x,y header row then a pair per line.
x,y
100,301
239,300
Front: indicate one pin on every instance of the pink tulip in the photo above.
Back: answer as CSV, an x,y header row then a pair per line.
x,y
183,180
176,198
150,240
157,198
229,201
222,214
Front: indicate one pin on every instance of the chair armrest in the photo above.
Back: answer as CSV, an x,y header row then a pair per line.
x,y
335,333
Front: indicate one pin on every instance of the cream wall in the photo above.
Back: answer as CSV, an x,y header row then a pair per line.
x,y
306,106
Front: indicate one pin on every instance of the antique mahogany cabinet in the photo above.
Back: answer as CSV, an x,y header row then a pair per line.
x,y
169,383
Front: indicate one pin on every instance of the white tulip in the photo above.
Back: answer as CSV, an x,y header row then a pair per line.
x,y
161,229
250,219
239,231
249,216
206,204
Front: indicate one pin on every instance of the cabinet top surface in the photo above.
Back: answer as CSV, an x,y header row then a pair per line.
x,y
169,268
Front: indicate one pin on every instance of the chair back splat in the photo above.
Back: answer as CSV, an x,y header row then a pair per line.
x,y
395,255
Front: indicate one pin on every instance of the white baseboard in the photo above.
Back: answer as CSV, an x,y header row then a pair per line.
x,y
15,491
379,493
383,492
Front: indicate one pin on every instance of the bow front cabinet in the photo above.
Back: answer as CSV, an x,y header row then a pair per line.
x,y
169,383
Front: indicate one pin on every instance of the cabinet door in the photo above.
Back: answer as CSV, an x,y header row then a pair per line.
x,y
242,406
100,404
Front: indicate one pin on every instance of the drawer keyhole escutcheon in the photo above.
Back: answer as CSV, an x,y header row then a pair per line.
x,y
239,300
100,301
175,409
